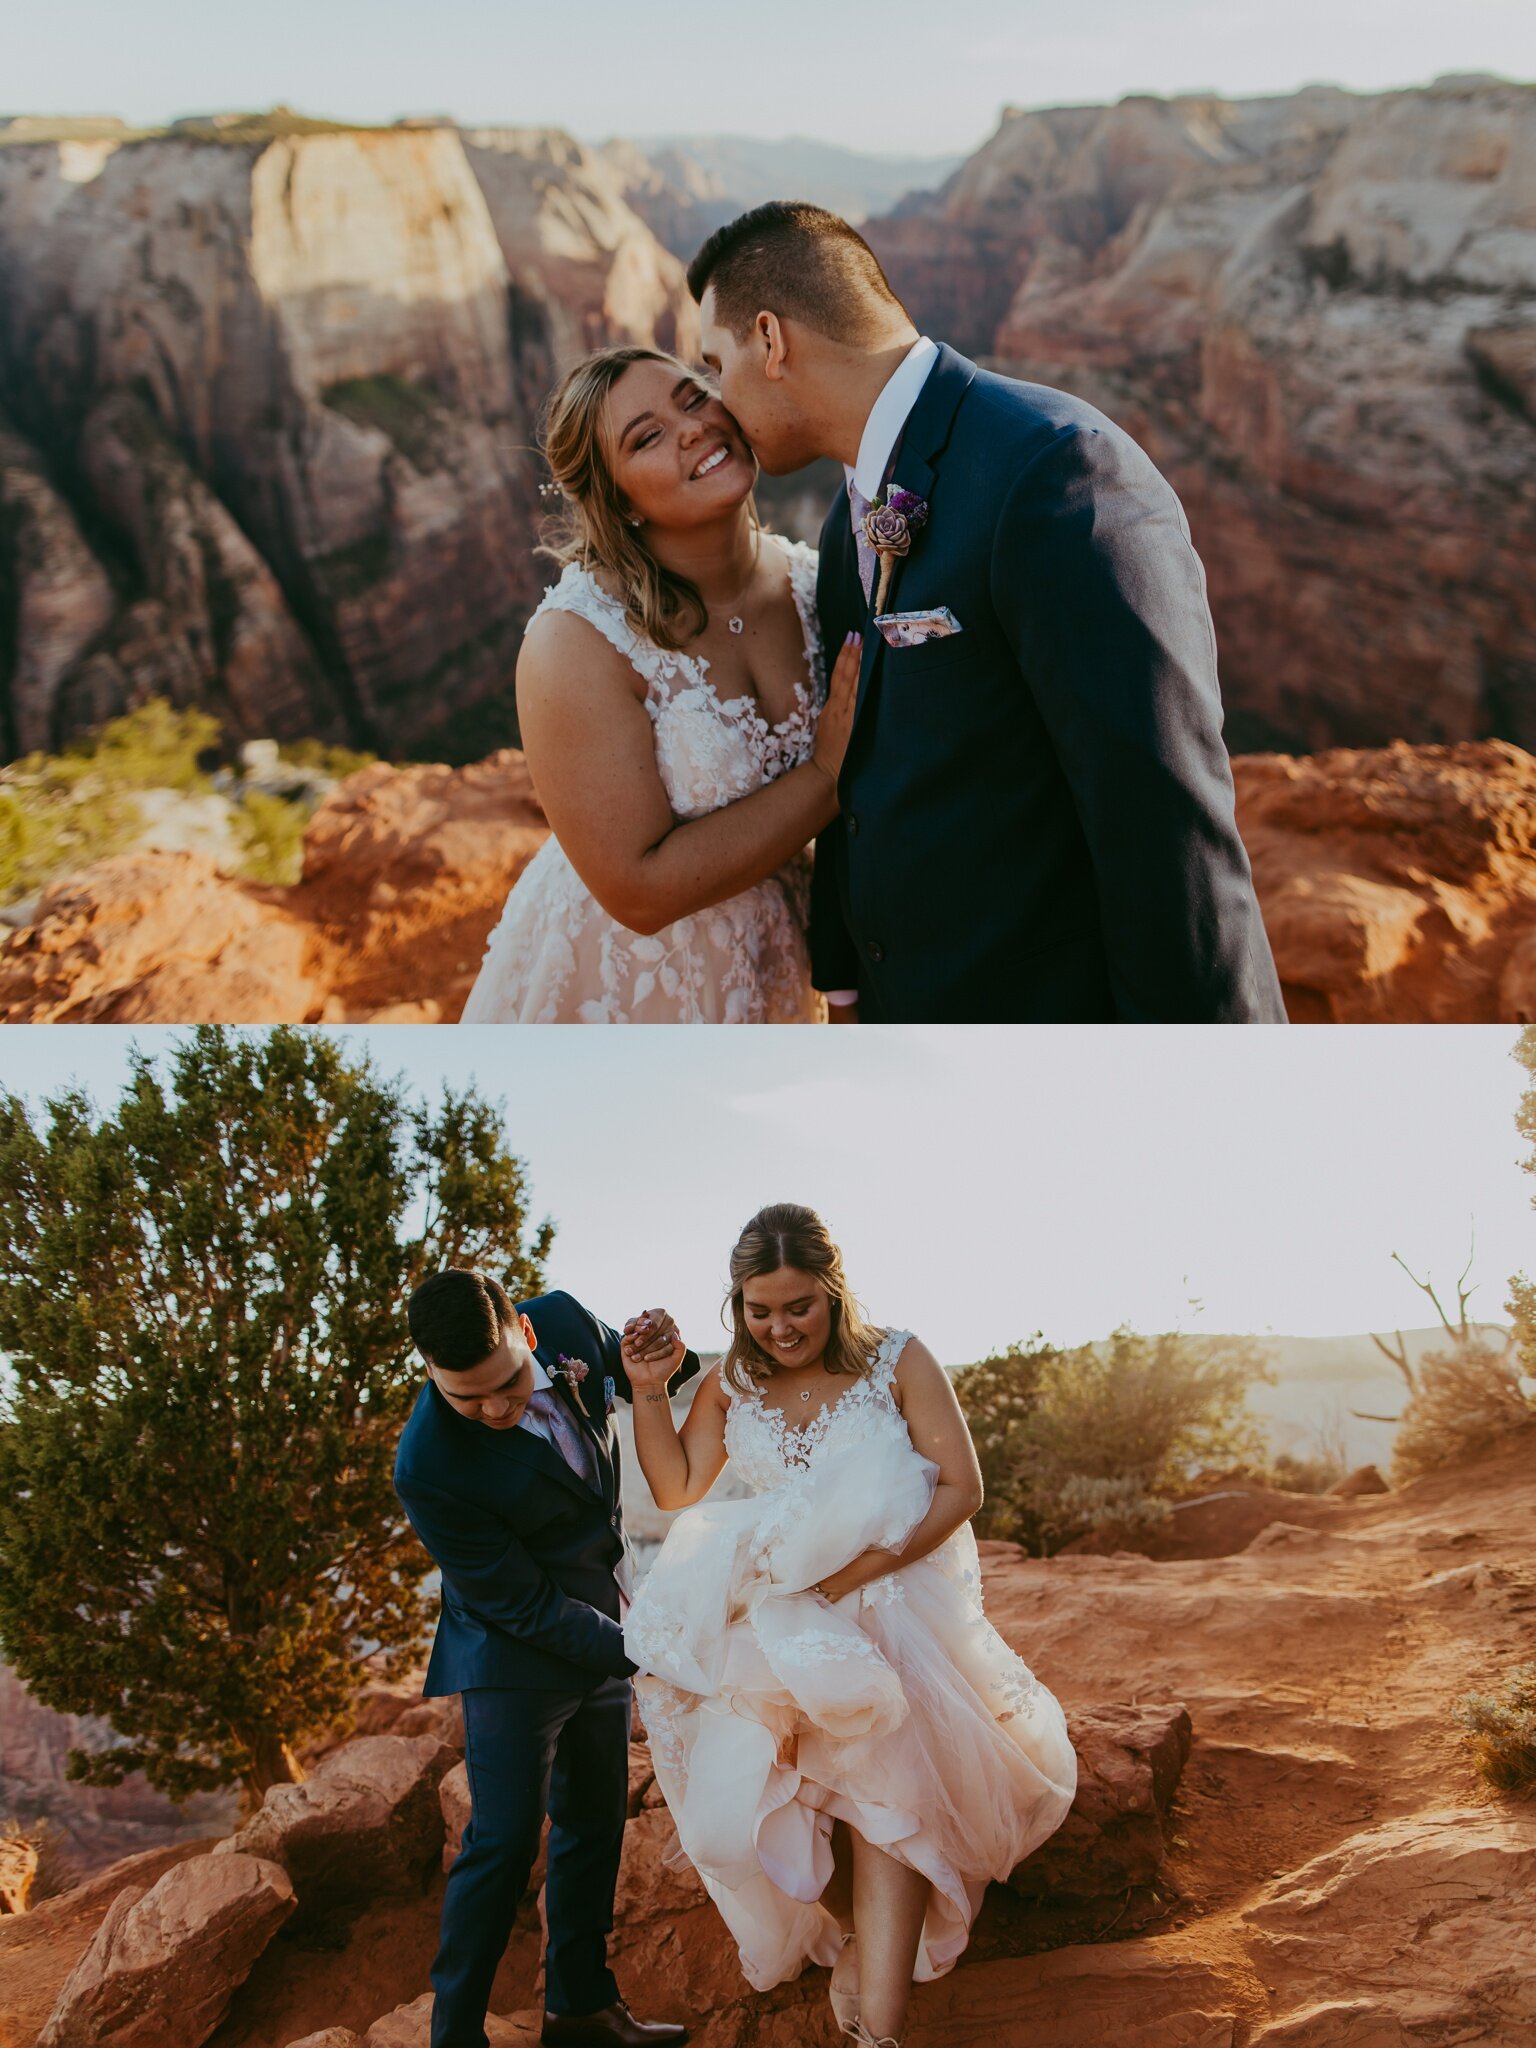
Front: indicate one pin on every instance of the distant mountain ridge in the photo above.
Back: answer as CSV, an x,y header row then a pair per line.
x,y
686,186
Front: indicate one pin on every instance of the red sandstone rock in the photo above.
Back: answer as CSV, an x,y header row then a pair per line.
x,y
166,1961
1462,1945
142,936
366,1823
1365,1479
453,1797
409,2026
1325,1817
1397,886
406,870
1129,1761
330,2037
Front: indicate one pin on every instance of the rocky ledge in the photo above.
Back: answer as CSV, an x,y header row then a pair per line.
x,y
1278,1841
1398,886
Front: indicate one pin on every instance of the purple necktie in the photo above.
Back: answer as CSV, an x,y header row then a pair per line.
x,y
565,1432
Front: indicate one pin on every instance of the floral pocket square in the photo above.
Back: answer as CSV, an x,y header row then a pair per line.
x,y
916,629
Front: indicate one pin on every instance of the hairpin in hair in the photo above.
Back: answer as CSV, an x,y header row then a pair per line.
x,y
551,490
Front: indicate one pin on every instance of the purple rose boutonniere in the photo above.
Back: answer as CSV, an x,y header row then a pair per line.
x,y
572,1370
889,529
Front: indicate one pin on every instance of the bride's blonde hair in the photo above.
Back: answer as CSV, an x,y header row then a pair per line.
x,y
594,529
785,1234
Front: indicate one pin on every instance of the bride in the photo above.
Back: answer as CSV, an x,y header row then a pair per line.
x,y
848,1748
669,699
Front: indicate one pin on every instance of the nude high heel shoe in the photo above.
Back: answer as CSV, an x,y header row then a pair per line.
x,y
857,2031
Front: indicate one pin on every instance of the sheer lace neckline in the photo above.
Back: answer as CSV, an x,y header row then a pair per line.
x,y
796,1440
744,708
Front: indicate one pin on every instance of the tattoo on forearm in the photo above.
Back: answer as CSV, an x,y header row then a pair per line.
x,y
653,1397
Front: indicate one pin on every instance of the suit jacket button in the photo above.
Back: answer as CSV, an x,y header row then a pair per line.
x,y
875,951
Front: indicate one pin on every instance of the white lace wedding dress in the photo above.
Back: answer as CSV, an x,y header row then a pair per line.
x,y
772,1712
557,957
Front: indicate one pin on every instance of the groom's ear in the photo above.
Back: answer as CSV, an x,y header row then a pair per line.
x,y
773,345
528,1336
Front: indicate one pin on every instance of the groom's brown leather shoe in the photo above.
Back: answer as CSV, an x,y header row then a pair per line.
x,y
614,2024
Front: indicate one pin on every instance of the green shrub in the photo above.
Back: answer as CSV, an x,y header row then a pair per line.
x,y
1500,1731
271,834
60,811
339,762
49,825
1104,1436
154,746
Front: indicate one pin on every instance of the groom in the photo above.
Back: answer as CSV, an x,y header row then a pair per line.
x,y
509,1471
1037,808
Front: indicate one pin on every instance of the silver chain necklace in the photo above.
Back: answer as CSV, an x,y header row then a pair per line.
x,y
736,623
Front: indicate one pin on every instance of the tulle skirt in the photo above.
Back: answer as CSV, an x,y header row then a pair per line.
x,y
773,1713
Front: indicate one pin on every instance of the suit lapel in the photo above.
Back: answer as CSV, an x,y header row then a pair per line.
x,y
535,1454
923,440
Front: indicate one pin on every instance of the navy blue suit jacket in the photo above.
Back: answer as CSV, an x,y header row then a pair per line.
x,y
526,1549
1037,812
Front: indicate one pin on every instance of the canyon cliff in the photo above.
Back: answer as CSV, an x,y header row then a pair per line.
x,y
1318,313
269,392
267,411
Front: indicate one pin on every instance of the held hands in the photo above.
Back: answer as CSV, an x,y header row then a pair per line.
x,y
836,721
652,1348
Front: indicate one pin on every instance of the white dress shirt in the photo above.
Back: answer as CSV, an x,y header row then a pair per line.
x,y
887,416
535,1424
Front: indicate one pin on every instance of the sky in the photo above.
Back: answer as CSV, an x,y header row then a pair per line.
x,y
903,77
988,1183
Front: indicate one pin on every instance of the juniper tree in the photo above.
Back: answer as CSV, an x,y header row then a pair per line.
x,y
202,1304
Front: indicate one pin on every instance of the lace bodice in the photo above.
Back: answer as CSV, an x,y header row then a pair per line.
x,y
709,750
766,1451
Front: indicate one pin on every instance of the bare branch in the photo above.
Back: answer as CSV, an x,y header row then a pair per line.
x,y
1399,1357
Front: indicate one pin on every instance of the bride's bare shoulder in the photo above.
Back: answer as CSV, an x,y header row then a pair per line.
x,y
715,1381
915,1369
563,653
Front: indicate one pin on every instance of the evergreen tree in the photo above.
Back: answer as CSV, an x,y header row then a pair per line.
x,y
202,1301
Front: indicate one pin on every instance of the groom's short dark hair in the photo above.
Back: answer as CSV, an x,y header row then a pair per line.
x,y
796,260
457,1317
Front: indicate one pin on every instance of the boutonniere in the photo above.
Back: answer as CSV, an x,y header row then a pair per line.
x,y
889,530
610,1390
572,1370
